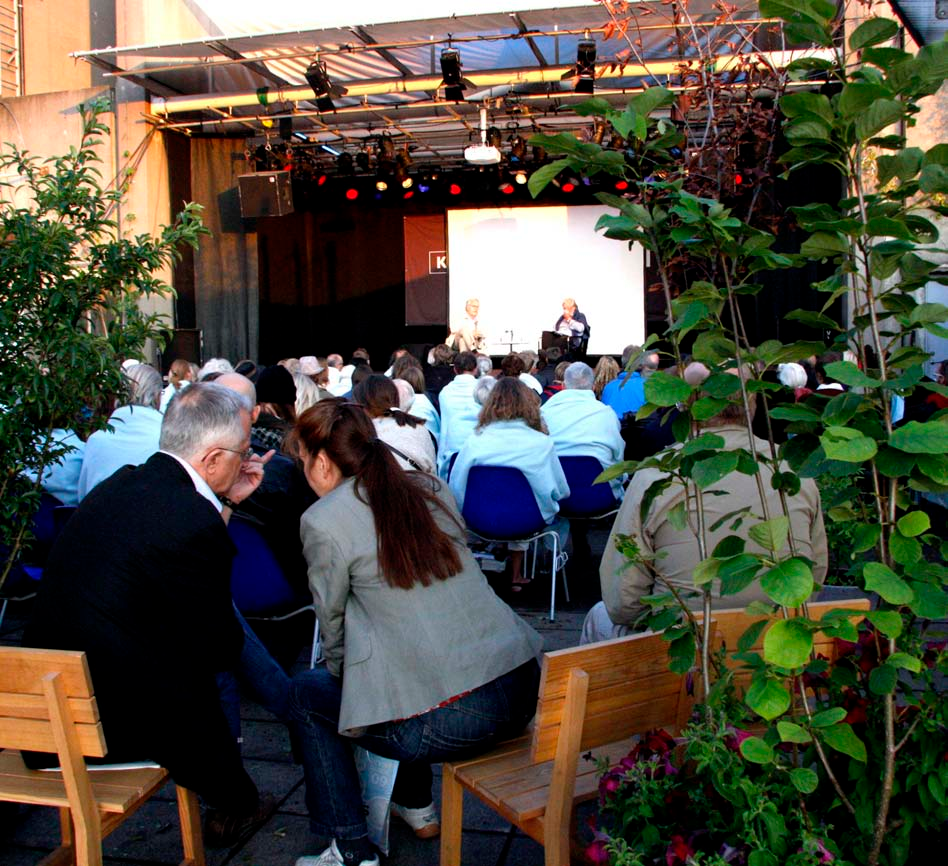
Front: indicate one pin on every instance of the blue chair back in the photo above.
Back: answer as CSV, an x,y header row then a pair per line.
x,y
499,503
257,581
585,499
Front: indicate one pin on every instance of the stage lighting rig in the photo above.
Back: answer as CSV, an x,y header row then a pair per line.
x,y
585,66
325,91
454,85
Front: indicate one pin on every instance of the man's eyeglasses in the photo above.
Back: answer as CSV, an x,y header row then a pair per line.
x,y
245,456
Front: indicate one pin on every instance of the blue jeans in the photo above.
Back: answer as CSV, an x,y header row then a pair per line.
x,y
259,673
493,712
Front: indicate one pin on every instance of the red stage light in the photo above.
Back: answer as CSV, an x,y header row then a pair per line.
x,y
352,194
454,189
622,184
409,194
568,187
507,188
738,180
321,180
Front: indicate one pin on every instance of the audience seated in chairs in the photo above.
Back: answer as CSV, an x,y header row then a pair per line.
x,y
136,427
423,661
404,434
580,425
408,369
606,370
179,376
276,398
626,393
458,410
510,432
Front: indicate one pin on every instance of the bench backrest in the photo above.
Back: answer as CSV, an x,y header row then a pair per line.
x,y
630,690
37,682
731,624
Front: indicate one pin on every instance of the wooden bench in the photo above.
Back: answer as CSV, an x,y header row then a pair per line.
x,y
596,697
47,705
730,624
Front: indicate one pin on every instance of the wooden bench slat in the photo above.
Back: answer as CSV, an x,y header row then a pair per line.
x,y
22,706
35,735
21,666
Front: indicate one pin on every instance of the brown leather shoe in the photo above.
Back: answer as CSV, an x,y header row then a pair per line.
x,y
225,829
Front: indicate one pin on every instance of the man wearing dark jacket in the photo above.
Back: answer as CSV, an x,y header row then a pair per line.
x,y
139,579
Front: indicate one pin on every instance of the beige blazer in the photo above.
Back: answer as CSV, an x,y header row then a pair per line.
x,y
402,652
624,583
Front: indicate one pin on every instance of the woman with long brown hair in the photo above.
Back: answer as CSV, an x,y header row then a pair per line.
x,y
423,662
406,435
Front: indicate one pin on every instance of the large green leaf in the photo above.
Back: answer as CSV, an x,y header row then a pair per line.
x,y
541,178
857,96
704,442
711,470
929,313
904,550
841,409
793,733
738,572
879,115
883,580
818,11
848,445
661,389
933,179
788,643
789,583
768,697
872,32
921,437
826,718
849,374
804,103
904,165
757,751
804,779
823,245
841,738
889,622
914,523
883,679
930,602
771,534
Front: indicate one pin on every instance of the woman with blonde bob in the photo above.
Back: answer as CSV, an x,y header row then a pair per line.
x,y
423,662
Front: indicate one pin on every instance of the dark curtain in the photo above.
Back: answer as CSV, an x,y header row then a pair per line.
x,y
225,265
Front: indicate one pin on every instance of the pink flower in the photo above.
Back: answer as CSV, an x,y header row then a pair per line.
x,y
597,853
678,851
735,737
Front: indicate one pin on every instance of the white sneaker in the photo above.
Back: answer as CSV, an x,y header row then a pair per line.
x,y
423,821
332,857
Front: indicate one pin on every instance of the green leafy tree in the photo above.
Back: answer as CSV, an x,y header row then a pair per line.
x,y
70,287
859,748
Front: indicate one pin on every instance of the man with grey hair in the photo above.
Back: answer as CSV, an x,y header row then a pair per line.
x,y
626,393
139,579
134,428
581,426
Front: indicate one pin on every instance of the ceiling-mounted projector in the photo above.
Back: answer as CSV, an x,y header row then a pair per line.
x,y
482,154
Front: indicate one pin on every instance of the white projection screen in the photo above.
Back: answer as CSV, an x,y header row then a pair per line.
x,y
522,262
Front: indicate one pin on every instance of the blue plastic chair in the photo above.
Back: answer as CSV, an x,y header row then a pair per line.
x,y
258,584
499,506
586,499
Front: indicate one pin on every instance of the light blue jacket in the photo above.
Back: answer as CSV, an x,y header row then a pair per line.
x,y
459,413
580,425
61,479
134,438
422,407
625,396
513,443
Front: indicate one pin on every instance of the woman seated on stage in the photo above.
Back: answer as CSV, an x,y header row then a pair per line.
x,y
511,433
406,435
423,662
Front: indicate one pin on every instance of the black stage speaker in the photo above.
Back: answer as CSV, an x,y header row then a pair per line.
x,y
266,193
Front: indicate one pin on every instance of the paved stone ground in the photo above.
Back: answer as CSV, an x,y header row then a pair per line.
x,y
150,837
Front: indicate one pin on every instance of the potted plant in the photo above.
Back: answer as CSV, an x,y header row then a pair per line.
x,y
811,763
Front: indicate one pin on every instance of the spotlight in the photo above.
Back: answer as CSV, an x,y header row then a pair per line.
x,y
568,187
286,128
455,189
321,179
507,188
352,193
407,182
403,161
381,185
318,79
451,75
518,148
585,66
344,163
520,177
408,193
622,185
